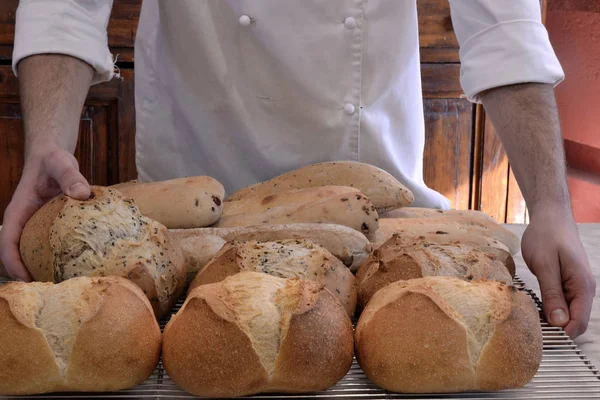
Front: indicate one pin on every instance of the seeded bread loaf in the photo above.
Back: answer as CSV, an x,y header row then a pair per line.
x,y
178,203
84,334
340,205
105,235
348,245
253,333
443,334
292,258
383,189
394,261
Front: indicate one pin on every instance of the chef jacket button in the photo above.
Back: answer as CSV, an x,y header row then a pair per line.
x,y
245,20
349,108
350,23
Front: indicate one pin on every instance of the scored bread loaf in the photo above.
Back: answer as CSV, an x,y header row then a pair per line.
x,y
348,245
190,202
84,334
383,189
327,204
292,258
433,228
395,260
253,333
418,212
197,251
442,334
104,235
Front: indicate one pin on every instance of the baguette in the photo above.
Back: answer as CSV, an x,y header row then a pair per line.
x,y
417,212
349,246
253,333
452,226
442,334
394,261
292,258
178,203
85,334
105,235
328,204
383,189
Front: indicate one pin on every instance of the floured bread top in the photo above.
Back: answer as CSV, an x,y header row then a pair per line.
x,y
477,305
107,235
263,305
58,310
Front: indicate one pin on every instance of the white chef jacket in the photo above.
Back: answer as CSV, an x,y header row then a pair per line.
x,y
243,90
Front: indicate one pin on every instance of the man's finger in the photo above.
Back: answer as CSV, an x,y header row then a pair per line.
x,y
580,289
553,299
63,168
16,216
580,310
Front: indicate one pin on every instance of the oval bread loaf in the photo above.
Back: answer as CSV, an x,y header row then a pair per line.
x,y
394,261
383,189
340,205
84,334
292,258
190,202
105,235
348,245
198,250
253,333
443,334
418,212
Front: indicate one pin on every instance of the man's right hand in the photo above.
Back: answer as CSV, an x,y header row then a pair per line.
x,y
47,173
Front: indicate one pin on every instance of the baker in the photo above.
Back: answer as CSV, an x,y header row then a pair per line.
x,y
245,90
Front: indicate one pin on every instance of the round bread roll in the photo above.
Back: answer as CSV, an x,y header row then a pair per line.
x,y
254,332
294,258
102,236
442,334
84,334
396,260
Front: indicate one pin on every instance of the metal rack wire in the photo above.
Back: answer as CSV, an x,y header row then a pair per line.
x,y
565,373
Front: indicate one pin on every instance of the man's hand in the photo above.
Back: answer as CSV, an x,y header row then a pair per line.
x,y
45,175
552,250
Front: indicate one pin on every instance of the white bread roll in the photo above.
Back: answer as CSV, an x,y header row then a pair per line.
x,y
105,235
443,334
348,245
190,202
253,333
84,334
340,205
396,260
292,258
383,189
197,251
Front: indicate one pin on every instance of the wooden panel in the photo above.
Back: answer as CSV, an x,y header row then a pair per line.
x,y
121,28
441,80
447,156
436,36
11,152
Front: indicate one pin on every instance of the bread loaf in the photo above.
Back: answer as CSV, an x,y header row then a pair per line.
x,y
383,189
443,334
292,258
417,212
349,246
254,332
105,235
178,203
328,204
454,227
197,251
84,334
394,261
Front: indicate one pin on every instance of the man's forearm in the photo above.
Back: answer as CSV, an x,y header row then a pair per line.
x,y
53,90
526,120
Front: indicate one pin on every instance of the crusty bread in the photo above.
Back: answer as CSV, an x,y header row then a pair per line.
x,y
198,250
178,203
348,245
327,204
84,334
395,260
417,212
443,334
383,189
292,258
455,228
254,332
105,235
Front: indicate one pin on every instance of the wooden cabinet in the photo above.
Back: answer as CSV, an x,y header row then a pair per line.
x,y
464,159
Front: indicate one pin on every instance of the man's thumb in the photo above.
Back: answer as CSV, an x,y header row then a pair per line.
x,y
64,170
553,299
